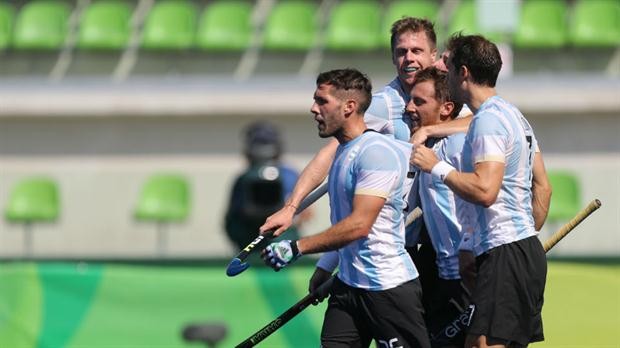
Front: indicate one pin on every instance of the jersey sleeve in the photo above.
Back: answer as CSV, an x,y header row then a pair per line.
x,y
377,171
377,115
328,261
488,139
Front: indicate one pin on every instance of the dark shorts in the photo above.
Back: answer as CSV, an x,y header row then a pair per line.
x,y
508,295
444,307
393,317
425,260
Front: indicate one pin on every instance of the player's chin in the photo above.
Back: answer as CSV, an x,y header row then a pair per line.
x,y
323,132
408,78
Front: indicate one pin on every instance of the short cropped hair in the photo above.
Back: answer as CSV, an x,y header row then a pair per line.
x,y
479,55
414,25
349,83
442,92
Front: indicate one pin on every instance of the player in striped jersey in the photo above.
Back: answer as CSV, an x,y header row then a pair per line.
x,y
376,294
444,298
499,161
413,43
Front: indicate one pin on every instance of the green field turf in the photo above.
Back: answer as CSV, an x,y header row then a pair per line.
x,y
582,306
75,305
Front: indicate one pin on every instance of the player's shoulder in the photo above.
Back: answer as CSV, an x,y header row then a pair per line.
x,y
453,144
489,121
377,143
392,91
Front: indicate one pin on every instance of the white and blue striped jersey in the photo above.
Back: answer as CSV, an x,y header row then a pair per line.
x,y
439,205
386,111
373,164
500,133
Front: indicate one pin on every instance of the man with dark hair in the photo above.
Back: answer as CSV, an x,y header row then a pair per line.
x,y
413,43
499,159
443,296
376,294
413,48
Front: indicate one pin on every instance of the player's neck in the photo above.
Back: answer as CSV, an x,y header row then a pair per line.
x,y
478,95
352,130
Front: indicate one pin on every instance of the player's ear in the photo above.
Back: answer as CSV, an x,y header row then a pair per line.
x,y
445,110
434,55
464,72
350,107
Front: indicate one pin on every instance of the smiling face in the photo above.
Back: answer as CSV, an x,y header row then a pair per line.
x,y
412,52
423,108
328,111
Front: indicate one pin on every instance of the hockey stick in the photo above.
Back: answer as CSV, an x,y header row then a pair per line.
x,y
461,321
564,230
319,293
237,264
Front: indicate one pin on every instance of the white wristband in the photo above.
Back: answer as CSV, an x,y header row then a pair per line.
x,y
441,170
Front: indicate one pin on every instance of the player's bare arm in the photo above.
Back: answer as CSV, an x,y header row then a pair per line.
x,y
480,187
440,130
366,208
310,178
541,191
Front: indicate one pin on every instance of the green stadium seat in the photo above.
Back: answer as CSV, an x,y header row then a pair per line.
x,y
105,25
7,15
291,25
170,25
41,25
543,24
165,198
566,197
33,200
355,25
400,8
464,19
225,26
596,23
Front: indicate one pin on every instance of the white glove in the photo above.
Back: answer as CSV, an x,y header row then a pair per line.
x,y
281,254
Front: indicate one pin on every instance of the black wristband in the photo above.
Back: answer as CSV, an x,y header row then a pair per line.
x,y
295,249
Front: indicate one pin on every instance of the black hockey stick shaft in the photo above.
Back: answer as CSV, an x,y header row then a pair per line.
x,y
319,293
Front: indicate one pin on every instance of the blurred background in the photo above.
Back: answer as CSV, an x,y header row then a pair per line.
x,y
122,134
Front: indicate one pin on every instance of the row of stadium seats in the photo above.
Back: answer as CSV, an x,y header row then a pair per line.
x,y
293,25
165,198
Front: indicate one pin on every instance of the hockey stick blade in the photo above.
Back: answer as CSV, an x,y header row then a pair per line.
x,y
237,265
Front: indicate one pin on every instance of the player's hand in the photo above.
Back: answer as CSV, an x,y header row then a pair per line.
x,y
467,268
420,136
279,221
423,158
281,254
319,277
